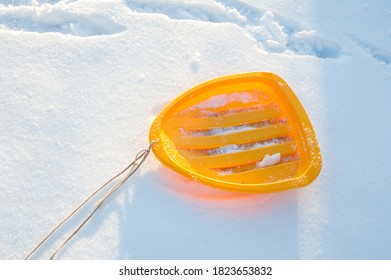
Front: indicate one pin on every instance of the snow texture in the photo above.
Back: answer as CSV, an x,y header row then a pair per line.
x,y
81,81
269,160
60,17
224,99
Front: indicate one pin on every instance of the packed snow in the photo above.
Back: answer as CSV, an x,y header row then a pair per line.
x,y
269,160
228,149
81,81
224,99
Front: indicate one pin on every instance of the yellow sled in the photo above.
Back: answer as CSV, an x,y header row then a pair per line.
x,y
246,132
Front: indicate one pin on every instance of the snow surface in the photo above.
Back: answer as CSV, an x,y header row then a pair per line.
x,y
81,81
223,99
269,160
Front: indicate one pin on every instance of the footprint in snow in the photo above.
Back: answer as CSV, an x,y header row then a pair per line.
x,y
381,55
43,17
272,32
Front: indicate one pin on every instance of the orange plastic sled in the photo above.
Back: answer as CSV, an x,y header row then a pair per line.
x,y
246,132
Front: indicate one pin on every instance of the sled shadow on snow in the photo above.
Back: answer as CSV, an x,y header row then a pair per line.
x,y
172,217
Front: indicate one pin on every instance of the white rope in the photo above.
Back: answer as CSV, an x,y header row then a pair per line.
x,y
128,171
